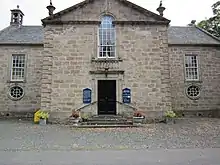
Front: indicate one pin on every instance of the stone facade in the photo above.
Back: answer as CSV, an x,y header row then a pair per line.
x,y
67,62
70,49
209,79
31,85
95,9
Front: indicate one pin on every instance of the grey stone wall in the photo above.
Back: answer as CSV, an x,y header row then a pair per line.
x,y
144,52
209,67
31,86
68,54
93,11
67,60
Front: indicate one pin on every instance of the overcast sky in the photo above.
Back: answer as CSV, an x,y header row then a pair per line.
x,y
180,12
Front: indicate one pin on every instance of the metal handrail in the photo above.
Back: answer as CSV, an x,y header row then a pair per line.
x,y
79,109
134,108
121,103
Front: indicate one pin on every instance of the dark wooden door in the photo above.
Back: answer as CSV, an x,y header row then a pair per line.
x,y
106,97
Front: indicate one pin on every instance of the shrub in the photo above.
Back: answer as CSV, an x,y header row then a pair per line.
x,y
43,114
170,114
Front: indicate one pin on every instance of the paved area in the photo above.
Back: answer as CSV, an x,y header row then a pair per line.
x,y
108,157
195,140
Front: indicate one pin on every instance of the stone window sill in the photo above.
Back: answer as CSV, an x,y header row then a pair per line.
x,y
193,81
107,60
10,81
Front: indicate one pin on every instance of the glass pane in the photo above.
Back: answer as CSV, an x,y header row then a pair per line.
x,y
107,37
18,64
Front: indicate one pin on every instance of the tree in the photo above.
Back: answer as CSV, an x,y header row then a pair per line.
x,y
212,25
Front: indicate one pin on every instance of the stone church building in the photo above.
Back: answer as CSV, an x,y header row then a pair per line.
x,y
107,57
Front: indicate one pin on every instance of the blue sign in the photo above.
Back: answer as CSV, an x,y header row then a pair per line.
x,y
126,95
87,96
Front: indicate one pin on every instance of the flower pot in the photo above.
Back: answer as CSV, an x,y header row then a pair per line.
x,y
170,120
42,121
138,120
76,121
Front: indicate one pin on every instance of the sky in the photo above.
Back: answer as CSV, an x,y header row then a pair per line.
x,y
180,12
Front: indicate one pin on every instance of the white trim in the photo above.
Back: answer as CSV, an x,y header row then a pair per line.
x,y
197,67
13,98
11,68
100,46
193,97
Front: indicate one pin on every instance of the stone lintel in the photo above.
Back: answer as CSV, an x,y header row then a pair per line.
x,y
111,60
107,72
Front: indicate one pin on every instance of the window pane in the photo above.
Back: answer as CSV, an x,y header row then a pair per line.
x,y
191,67
18,64
107,37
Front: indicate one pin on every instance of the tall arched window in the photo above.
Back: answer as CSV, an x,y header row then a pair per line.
x,y
107,37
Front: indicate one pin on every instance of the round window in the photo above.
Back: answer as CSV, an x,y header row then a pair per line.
x,y
16,92
193,91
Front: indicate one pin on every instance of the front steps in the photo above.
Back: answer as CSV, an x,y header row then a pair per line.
x,y
106,121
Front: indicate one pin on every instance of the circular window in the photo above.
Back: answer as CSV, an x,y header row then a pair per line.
x,y
193,91
16,92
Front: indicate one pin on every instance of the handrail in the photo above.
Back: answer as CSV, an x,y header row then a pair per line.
x,y
127,105
79,109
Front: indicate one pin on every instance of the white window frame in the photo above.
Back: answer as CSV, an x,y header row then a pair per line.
x,y
22,79
193,97
190,67
16,98
99,45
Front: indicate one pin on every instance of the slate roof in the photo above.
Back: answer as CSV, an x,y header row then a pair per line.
x,y
176,35
190,35
22,35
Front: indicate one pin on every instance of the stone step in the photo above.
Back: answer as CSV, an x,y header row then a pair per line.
x,y
107,123
106,126
106,119
107,116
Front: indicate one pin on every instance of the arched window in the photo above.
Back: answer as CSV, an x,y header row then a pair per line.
x,y
106,37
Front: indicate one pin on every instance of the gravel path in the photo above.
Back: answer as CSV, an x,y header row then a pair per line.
x,y
191,133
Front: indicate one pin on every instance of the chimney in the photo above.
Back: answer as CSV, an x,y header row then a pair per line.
x,y
16,17
161,9
193,22
51,8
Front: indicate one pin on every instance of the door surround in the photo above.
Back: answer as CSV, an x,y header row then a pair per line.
x,y
119,86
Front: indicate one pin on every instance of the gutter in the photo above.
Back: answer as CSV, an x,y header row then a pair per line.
x,y
21,44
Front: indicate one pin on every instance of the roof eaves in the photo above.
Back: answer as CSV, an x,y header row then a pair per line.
x,y
21,44
128,3
209,34
67,10
194,44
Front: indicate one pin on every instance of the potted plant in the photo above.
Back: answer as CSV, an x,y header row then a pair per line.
x,y
170,116
138,117
75,117
43,116
85,117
